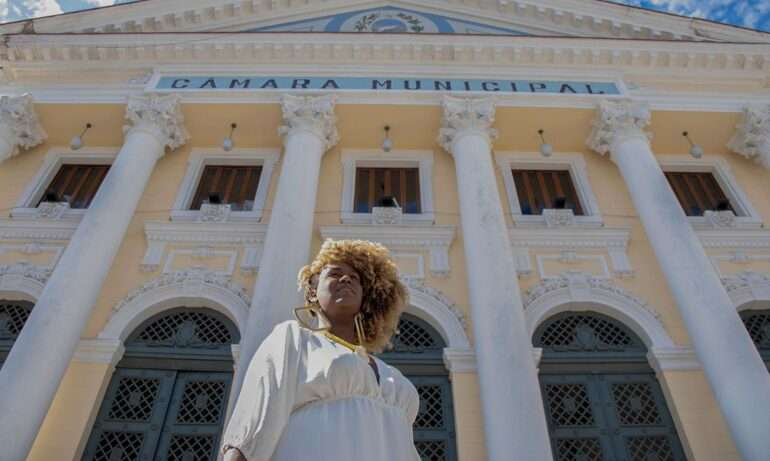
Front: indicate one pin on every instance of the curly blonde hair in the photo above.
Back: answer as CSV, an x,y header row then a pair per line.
x,y
384,296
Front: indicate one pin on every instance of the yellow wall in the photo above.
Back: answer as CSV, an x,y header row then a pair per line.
x,y
413,127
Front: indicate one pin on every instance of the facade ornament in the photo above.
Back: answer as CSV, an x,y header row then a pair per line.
x,y
464,116
745,280
438,296
52,210
558,217
195,276
26,270
724,219
159,115
616,120
386,215
214,213
19,125
752,136
310,113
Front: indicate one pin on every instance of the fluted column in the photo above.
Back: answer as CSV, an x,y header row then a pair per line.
x,y
37,362
514,420
309,130
752,135
730,360
19,126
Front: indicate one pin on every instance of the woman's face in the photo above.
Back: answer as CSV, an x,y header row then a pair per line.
x,y
339,290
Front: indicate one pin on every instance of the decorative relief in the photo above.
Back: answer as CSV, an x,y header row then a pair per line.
x,y
618,120
464,115
744,280
752,136
720,219
188,277
386,215
26,270
18,117
311,113
438,296
160,115
214,213
52,210
558,218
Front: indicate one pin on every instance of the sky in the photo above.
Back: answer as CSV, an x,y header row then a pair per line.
x,y
754,14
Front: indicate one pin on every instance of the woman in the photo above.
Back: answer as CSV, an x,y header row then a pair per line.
x,y
312,391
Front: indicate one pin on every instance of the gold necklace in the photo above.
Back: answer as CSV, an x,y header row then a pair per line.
x,y
360,350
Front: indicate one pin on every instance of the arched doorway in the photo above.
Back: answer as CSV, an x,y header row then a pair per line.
x,y
13,316
602,399
417,353
757,323
167,398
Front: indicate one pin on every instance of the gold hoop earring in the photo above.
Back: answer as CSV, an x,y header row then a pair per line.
x,y
306,314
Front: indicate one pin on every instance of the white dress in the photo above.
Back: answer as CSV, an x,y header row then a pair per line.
x,y
306,397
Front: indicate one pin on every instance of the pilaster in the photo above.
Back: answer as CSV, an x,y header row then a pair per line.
x,y
312,114
160,116
618,121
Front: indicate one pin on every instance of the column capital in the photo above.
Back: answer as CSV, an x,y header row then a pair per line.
x,y
752,135
465,116
310,113
160,116
20,123
616,121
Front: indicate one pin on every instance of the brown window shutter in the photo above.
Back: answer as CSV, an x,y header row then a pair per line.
x,y
540,189
698,192
235,185
372,184
76,184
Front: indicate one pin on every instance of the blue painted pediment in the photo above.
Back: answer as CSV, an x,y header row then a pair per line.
x,y
388,19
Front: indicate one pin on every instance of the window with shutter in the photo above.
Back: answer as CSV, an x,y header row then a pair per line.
x,y
232,185
698,192
374,184
543,189
75,184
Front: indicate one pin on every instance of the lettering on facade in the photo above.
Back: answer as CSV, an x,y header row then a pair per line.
x,y
254,83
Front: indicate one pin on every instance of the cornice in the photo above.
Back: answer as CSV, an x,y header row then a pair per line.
x,y
569,237
36,229
401,235
205,232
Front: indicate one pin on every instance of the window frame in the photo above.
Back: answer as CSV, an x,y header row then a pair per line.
x,y
569,161
746,215
197,162
26,205
373,158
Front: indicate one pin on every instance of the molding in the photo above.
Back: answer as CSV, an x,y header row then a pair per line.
x,y
675,358
103,351
438,308
19,125
160,116
459,360
463,116
435,239
575,291
752,135
313,114
746,287
572,162
24,278
617,120
26,229
191,288
200,158
735,238
354,158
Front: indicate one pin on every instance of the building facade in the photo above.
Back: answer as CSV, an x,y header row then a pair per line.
x,y
580,216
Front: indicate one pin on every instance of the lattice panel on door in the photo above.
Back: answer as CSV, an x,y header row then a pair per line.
x,y
758,325
134,399
13,316
569,405
650,449
431,414
577,332
191,448
414,335
202,402
635,405
119,446
582,449
434,450
185,329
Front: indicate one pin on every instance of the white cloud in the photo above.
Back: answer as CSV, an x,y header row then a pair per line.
x,y
42,7
101,2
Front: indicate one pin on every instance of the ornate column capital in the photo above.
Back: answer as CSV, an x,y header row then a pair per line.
x,y
464,116
159,115
618,120
752,135
20,124
310,113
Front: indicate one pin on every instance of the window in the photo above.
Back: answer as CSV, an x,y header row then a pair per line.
x,y
168,396
698,192
602,399
374,184
13,316
75,184
757,323
371,175
229,185
540,189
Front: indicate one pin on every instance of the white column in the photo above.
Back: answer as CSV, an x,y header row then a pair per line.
x,y
309,131
514,420
19,126
37,362
752,135
730,360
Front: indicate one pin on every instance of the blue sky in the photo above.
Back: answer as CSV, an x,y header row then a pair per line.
x,y
748,13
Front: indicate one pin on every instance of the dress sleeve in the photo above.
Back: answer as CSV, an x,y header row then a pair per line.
x,y
267,396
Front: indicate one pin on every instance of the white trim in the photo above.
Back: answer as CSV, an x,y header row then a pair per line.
x,y
202,253
354,158
200,158
459,360
747,217
427,304
748,290
675,358
581,292
570,257
572,162
23,281
53,161
105,351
